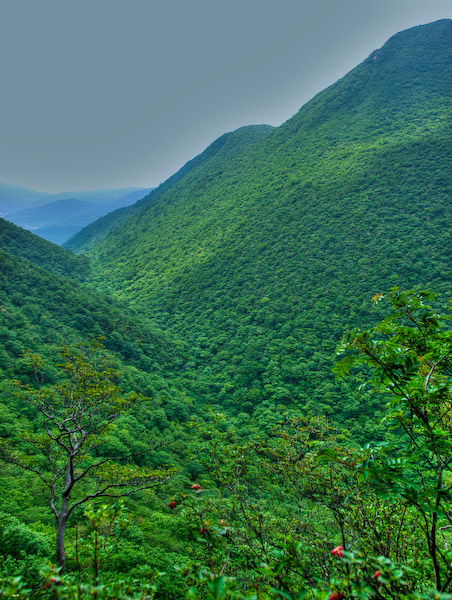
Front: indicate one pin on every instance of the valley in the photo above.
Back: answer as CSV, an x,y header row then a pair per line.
x,y
221,303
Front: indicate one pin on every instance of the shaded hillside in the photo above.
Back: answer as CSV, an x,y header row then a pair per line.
x,y
40,311
23,244
263,260
43,304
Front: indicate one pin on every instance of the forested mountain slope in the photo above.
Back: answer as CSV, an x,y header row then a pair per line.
x,y
260,262
40,311
43,305
42,308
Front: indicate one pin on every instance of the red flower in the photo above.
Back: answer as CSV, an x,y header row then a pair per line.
x,y
377,574
196,486
336,596
337,551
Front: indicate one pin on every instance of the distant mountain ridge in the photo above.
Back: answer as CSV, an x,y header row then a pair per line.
x,y
13,198
57,217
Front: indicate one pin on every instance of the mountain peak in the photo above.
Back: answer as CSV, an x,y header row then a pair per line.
x,y
412,71
417,60
422,33
420,41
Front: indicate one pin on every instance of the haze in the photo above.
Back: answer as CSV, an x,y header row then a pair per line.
x,y
107,93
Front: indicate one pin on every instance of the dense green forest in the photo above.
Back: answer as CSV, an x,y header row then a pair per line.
x,y
171,425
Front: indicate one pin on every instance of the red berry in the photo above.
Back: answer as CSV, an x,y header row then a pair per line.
x,y
172,505
196,486
337,551
336,596
377,574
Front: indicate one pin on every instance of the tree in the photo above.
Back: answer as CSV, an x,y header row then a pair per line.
x,y
409,354
74,418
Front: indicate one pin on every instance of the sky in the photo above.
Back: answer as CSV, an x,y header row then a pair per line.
x,y
121,93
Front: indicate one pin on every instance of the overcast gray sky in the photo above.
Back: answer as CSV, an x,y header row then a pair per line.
x,y
119,93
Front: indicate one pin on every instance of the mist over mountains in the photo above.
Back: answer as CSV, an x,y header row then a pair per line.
x,y
57,217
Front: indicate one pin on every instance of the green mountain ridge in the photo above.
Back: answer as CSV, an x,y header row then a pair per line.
x,y
223,149
262,261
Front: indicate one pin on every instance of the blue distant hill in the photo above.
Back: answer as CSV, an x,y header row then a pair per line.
x,y
57,217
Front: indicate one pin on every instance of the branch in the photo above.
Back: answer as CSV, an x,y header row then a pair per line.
x,y
103,493
56,439
28,468
117,459
434,367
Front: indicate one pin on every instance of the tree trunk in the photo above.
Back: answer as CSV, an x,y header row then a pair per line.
x,y
60,531
63,516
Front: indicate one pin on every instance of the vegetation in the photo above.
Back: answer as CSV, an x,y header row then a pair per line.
x,y
75,417
305,512
221,298
23,244
40,312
